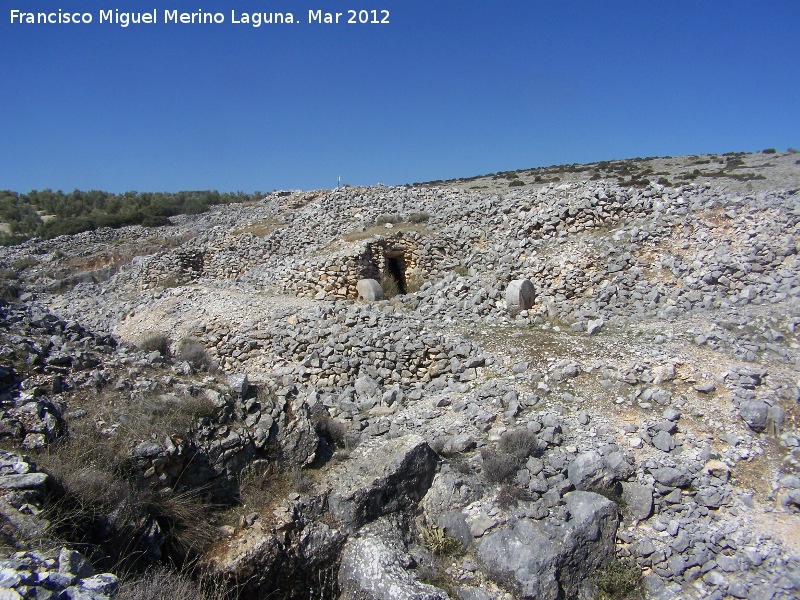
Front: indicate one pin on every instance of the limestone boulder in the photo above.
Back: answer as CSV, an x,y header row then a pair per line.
x,y
755,413
381,477
549,559
376,565
298,439
591,471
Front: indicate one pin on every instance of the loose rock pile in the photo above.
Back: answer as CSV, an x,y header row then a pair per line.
x,y
584,375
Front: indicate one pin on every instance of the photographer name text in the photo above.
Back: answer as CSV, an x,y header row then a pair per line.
x,y
156,16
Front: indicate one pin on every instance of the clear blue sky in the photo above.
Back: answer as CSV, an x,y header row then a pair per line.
x,y
447,89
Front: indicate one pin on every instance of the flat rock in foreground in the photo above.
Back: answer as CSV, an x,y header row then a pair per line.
x,y
382,476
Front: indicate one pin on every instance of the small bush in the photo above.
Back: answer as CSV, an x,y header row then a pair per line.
x,y
388,218
461,464
516,183
156,343
497,466
619,580
8,291
184,517
419,217
155,221
389,285
769,151
92,502
301,482
258,484
195,354
520,443
24,262
511,495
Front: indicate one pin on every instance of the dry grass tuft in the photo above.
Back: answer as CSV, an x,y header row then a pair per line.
x,y
166,584
155,343
389,284
436,540
260,229
414,282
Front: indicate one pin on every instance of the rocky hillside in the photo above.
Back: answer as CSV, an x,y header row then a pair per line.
x,y
570,382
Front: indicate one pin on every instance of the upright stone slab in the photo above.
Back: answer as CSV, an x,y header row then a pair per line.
x,y
520,295
369,290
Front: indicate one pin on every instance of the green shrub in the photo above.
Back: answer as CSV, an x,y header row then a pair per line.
x,y
155,221
516,183
619,580
769,151
419,217
77,211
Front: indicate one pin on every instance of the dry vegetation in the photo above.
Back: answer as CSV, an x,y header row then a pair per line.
x,y
259,229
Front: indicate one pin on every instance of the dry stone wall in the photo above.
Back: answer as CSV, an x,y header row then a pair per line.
x,y
335,344
332,277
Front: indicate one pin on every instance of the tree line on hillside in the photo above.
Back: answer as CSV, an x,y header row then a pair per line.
x,y
77,211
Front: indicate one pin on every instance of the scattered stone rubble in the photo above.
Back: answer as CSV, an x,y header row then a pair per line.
x,y
583,371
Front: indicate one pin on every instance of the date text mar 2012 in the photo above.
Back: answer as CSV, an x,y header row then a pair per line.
x,y
352,17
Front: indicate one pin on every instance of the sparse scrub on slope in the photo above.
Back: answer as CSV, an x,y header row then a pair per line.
x,y
193,352
498,467
520,443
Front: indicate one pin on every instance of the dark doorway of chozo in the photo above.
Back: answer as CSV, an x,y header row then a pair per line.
x,y
396,266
